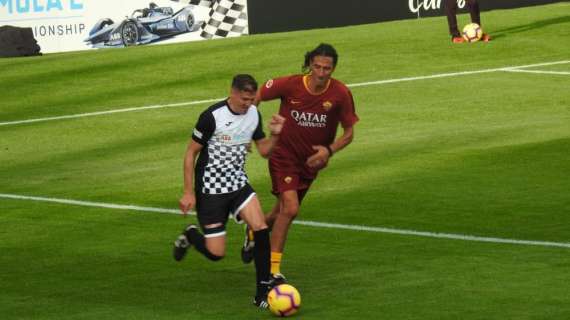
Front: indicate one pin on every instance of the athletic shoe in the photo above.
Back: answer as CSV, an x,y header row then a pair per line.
x,y
485,37
247,249
181,245
261,302
457,40
278,279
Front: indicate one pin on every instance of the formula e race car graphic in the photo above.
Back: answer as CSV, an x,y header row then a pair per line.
x,y
143,26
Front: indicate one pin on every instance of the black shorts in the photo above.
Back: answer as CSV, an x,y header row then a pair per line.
x,y
216,208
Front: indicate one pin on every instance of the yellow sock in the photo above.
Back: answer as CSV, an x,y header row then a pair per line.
x,y
276,262
250,234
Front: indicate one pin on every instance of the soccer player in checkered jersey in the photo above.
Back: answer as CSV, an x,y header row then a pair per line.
x,y
314,105
216,182
451,12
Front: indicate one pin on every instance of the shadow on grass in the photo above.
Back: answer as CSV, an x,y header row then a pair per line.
x,y
530,26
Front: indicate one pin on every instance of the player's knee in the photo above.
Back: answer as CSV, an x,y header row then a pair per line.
x,y
290,211
215,241
215,253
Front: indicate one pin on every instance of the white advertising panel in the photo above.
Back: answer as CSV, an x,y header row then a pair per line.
x,y
69,25
417,6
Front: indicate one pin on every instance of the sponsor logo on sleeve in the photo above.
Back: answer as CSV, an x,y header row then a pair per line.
x,y
269,84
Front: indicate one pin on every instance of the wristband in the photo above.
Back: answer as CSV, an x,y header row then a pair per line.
x,y
329,150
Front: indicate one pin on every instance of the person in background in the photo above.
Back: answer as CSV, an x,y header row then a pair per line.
x,y
451,12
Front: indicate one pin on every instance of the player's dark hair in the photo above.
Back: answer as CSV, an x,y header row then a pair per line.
x,y
244,82
323,49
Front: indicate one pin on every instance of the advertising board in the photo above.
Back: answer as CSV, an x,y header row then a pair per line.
x,y
69,25
268,16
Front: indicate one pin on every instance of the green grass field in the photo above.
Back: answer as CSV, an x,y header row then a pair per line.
x,y
481,154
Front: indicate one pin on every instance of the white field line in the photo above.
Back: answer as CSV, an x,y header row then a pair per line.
x,y
90,204
353,85
538,71
456,74
304,223
98,113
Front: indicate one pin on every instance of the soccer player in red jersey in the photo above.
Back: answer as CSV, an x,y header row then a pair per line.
x,y
313,104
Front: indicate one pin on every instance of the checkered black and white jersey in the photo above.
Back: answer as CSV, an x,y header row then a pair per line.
x,y
225,136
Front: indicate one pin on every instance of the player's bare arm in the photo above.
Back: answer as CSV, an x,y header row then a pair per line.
x,y
188,200
323,153
265,145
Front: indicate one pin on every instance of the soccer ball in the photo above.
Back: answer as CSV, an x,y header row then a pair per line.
x,y
472,32
284,300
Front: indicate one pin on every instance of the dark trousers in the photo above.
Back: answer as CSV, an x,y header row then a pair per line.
x,y
451,12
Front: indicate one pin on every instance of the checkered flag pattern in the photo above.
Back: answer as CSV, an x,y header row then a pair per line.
x,y
228,18
203,3
225,170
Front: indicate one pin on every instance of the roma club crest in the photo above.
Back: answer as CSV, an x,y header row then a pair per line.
x,y
327,105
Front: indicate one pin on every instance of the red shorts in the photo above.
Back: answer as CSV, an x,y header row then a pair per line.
x,y
287,176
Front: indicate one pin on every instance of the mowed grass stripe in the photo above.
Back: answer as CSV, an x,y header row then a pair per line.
x,y
302,222
98,113
481,155
352,85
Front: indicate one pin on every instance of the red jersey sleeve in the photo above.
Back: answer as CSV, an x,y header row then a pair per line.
x,y
348,115
275,88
